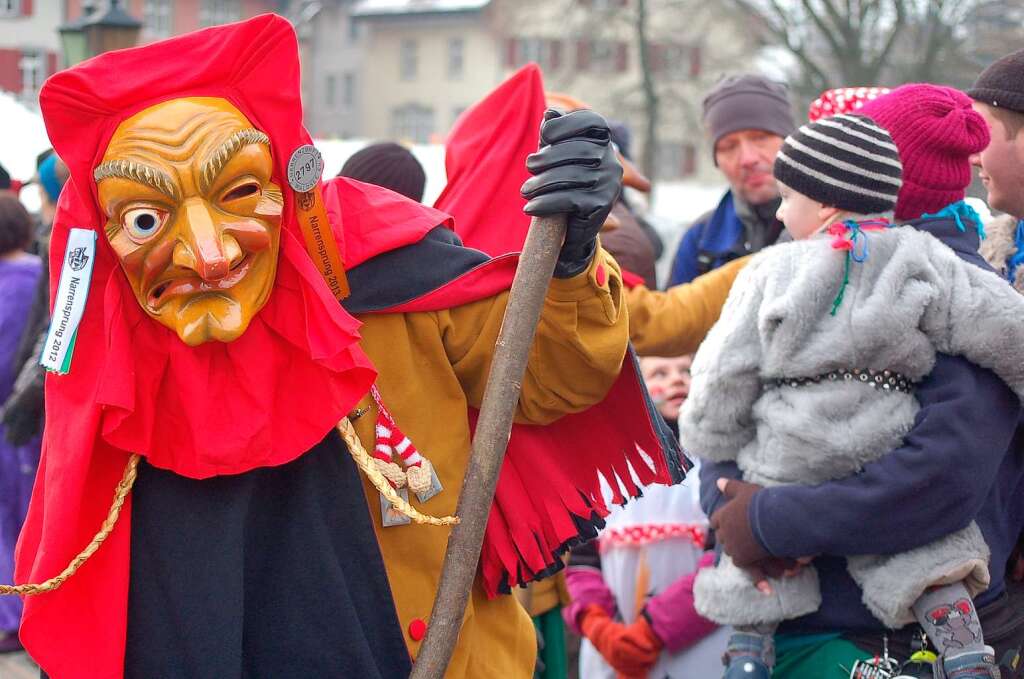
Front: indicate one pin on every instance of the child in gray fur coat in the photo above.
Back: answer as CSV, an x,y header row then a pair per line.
x,y
810,372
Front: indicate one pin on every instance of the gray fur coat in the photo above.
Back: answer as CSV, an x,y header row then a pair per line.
x,y
911,298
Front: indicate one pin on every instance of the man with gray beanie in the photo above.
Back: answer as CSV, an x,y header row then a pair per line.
x,y
747,117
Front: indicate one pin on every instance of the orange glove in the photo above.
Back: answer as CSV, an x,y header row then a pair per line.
x,y
630,649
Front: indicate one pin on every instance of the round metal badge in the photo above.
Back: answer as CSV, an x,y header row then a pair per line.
x,y
305,168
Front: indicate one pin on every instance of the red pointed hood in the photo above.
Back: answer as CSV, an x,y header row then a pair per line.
x,y
133,386
485,159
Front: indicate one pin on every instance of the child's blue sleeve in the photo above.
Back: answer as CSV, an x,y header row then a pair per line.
x,y
710,472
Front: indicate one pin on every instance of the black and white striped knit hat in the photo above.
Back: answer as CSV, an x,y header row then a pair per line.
x,y
846,161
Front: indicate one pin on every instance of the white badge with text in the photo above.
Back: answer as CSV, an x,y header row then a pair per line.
x,y
69,304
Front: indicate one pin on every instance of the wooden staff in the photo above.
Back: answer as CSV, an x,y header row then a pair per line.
x,y
525,300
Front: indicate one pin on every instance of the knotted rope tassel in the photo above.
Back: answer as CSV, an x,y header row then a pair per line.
x,y
120,494
366,463
419,472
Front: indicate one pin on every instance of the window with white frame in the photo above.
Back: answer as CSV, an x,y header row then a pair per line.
x,y
214,12
33,71
157,17
676,160
331,91
408,59
546,53
533,49
10,8
456,58
348,90
412,122
602,56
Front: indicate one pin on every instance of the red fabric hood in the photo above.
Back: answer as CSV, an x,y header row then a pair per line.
x,y
485,159
371,220
133,386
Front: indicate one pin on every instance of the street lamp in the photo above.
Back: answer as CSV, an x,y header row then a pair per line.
x,y
98,32
72,38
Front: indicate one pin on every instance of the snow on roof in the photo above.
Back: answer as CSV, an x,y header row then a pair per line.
x,y
431,157
366,8
22,138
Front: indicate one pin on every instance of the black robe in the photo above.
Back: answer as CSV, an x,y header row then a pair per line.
x,y
274,574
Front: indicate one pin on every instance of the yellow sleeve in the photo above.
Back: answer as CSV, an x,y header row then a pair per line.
x,y
577,352
674,322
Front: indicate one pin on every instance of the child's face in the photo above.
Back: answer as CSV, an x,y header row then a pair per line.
x,y
802,216
668,380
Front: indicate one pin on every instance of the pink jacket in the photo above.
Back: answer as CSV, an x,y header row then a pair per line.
x,y
671,613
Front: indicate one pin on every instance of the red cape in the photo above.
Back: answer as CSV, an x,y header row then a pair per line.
x,y
485,159
532,523
134,387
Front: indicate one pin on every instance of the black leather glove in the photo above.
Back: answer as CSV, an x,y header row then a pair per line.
x,y
576,173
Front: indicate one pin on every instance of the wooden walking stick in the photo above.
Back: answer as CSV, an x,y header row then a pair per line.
x,y
525,300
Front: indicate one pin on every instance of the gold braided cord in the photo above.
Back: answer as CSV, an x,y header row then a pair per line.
x,y
124,487
365,462
121,493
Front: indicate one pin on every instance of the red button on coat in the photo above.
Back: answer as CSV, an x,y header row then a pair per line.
x,y
600,274
417,629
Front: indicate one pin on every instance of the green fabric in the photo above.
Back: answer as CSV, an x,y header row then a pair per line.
x,y
816,657
551,628
785,643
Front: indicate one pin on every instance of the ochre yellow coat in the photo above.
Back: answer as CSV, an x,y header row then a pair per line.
x,y
674,322
433,365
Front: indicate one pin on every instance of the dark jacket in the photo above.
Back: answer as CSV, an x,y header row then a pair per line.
x,y
962,461
721,236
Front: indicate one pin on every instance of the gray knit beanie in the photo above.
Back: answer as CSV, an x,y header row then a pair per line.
x,y
747,102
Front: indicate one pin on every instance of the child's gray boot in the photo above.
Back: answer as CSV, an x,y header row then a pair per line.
x,y
749,656
968,665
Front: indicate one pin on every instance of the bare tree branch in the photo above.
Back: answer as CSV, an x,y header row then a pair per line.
x,y
874,70
813,71
827,32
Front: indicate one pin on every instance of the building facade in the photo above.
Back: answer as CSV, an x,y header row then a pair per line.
x,y
29,46
424,63
30,49
332,67
406,69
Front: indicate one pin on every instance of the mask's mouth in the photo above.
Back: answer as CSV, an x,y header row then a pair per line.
x,y
176,286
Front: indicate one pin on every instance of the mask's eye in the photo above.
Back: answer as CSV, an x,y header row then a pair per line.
x,y
242,191
142,223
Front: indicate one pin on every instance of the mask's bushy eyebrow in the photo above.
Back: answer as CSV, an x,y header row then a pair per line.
x,y
137,172
220,156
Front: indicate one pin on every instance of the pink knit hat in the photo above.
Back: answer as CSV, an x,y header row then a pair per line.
x,y
936,131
